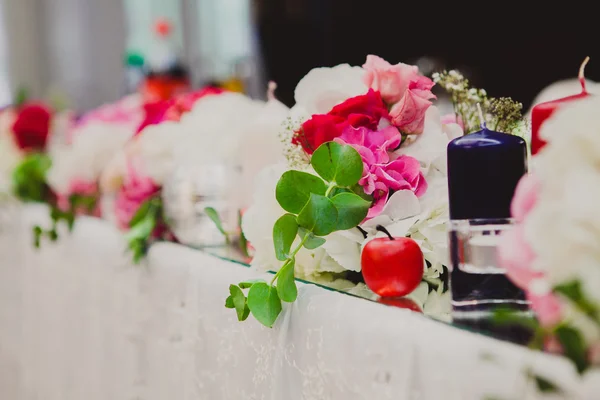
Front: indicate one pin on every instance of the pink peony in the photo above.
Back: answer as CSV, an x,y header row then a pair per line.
x,y
136,189
408,115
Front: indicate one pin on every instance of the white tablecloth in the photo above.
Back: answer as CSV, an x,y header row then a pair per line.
x,y
78,321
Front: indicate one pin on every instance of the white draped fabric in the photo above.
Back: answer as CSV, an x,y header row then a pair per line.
x,y
78,321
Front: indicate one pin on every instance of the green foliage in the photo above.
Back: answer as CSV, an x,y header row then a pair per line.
x,y
21,97
243,240
264,303
214,217
544,385
574,293
573,345
338,164
351,208
316,206
311,241
286,285
294,189
29,178
319,215
284,233
142,225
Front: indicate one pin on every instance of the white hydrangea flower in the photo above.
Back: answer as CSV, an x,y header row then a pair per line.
x,y
323,88
85,158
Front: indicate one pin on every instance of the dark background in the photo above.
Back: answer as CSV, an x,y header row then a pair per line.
x,y
512,50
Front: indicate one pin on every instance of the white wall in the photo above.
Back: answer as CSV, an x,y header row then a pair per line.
x,y
74,45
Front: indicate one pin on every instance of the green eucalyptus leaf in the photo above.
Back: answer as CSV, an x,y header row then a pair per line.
x,y
319,216
142,230
338,163
248,284
545,386
352,210
243,240
573,345
264,303
286,284
574,292
284,233
21,97
294,189
312,242
359,190
216,219
141,213
239,301
229,302
246,313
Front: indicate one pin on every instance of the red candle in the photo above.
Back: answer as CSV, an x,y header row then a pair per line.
x,y
543,111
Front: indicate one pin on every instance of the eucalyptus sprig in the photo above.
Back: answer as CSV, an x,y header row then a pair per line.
x,y
58,215
141,227
502,114
316,207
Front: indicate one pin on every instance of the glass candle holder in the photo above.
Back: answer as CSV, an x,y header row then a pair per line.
x,y
188,192
477,280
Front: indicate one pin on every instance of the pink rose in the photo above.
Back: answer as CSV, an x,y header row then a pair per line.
x,y
408,115
136,189
392,81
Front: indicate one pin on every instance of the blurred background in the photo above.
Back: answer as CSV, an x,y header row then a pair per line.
x,y
89,52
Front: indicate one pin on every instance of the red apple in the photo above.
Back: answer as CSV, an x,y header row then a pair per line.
x,y
401,302
392,267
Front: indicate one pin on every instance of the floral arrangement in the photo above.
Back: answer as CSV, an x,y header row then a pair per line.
x,y
553,252
366,158
501,114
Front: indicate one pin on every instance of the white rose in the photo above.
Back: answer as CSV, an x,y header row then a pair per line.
x,y
323,88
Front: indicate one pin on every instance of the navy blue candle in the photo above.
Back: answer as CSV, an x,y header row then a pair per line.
x,y
484,168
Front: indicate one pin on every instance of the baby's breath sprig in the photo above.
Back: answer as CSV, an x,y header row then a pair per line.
x,y
294,154
502,114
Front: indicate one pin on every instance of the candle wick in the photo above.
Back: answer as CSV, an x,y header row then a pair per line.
x,y
481,118
581,74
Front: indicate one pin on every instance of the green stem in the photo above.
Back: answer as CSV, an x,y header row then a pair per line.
x,y
290,258
329,189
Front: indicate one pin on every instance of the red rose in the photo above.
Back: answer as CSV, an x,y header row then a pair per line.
x,y
31,127
360,111
173,109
